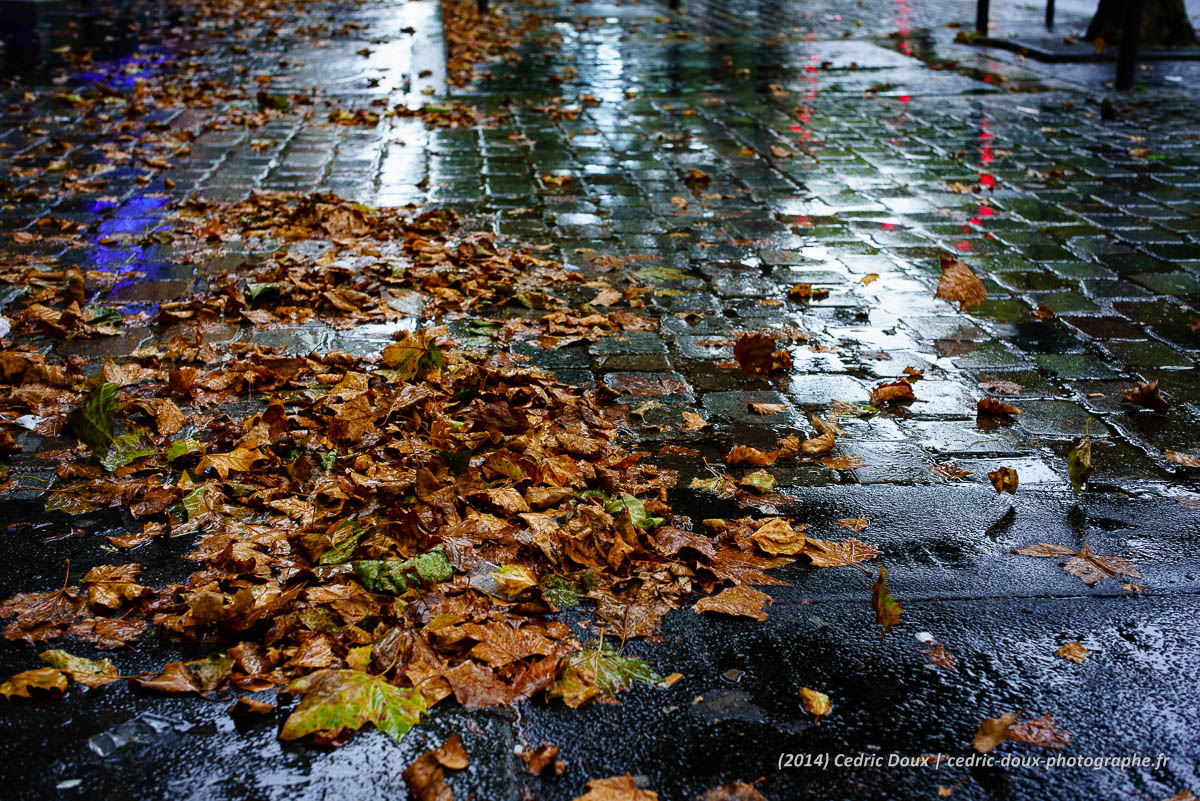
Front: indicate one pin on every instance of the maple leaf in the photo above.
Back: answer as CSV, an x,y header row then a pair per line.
x,y
959,285
756,353
1147,396
1079,464
739,601
1085,565
937,655
817,446
334,700
1041,731
88,672
825,553
1004,479
598,672
997,408
1073,651
887,611
814,702
414,356
898,391
44,680
854,523
767,408
111,586
239,460
617,788
993,731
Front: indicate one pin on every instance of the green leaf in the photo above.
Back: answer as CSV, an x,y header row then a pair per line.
x,y
345,540
335,700
90,672
636,509
208,673
413,357
393,576
183,447
127,448
328,460
887,611
92,420
563,592
258,293
1079,464
193,503
599,672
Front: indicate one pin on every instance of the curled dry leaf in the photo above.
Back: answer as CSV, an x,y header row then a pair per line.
x,y
993,731
997,408
739,601
1004,479
1147,396
768,408
1079,464
898,391
938,655
40,680
1073,651
542,759
949,471
959,285
887,611
819,445
756,353
814,702
786,448
617,788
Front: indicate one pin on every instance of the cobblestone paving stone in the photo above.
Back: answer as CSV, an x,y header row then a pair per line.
x,y
845,152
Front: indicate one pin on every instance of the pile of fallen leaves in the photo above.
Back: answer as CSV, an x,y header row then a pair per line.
x,y
473,38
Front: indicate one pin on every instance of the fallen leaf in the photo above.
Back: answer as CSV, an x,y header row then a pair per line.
x,y
617,788
853,523
938,656
949,471
1004,479
42,680
1184,459
756,353
959,285
598,673
739,601
425,777
336,700
542,759
814,702
1042,732
993,731
825,553
768,408
1074,651
1079,464
733,791
803,292
990,405
898,391
777,536
1084,565
694,422
887,611
88,672
246,706
1147,396
1001,387
760,481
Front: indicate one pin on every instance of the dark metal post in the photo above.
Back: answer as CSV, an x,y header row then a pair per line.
x,y
1131,32
481,6
1049,15
982,12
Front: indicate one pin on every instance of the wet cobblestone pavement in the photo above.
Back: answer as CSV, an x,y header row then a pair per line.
x,y
849,147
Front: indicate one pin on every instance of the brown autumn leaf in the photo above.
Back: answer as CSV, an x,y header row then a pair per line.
x,y
1043,732
1001,387
898,391
617,788
245,706
845,462
1073,651
993,731
542,759
42,615
768,408
238,460
756,353
781,152
1088,567
776,536
816,446
174,678
959,285
733,791
107,633
826,553
1183,459
949,471
739,601
854,523
938,655
112,586
1146,395
786,448
425,777
996,408
1004,479
805,292
694,422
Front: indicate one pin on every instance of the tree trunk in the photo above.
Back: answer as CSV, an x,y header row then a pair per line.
x,y
1165,23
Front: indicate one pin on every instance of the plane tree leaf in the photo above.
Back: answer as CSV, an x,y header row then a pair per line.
x,y
334,701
